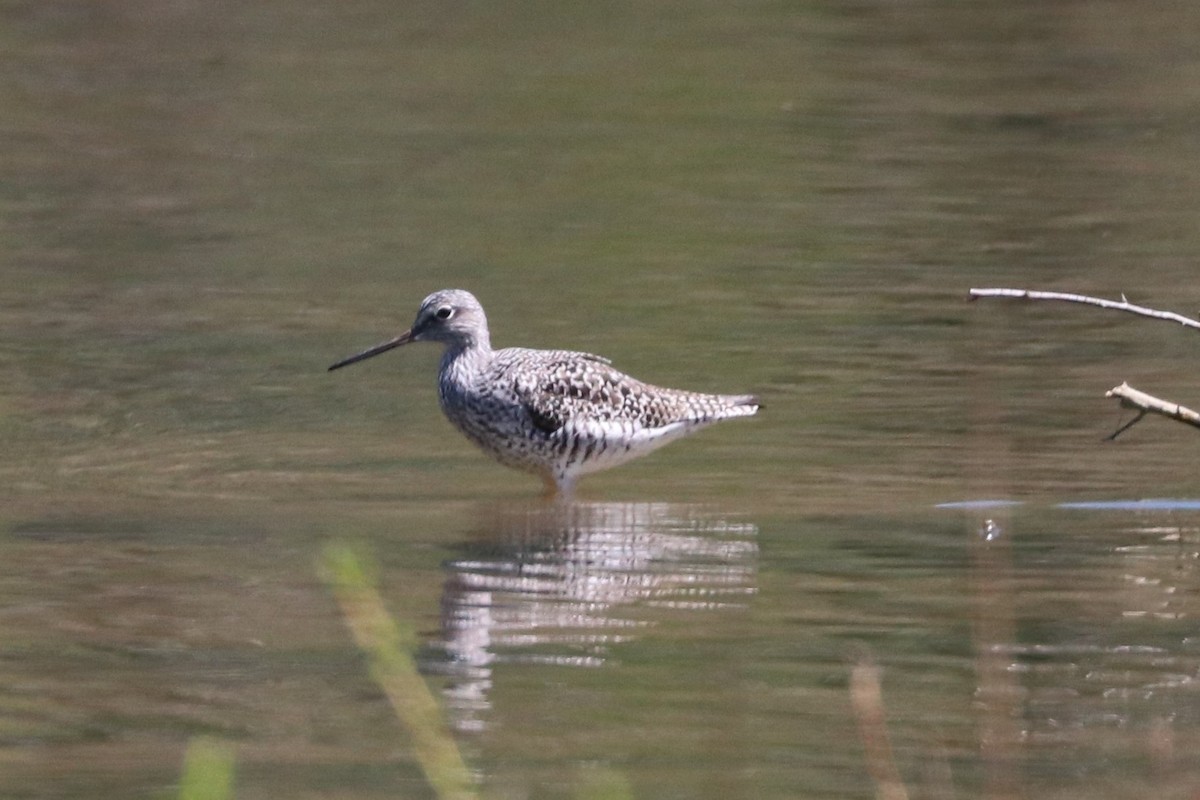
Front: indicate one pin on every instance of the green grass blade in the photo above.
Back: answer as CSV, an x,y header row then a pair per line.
x,y
207,770
389,647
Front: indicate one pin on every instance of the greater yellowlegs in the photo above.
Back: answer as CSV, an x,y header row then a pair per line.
x,y
556,413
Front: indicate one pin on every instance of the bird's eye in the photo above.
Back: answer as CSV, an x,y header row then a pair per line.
x,y
445,312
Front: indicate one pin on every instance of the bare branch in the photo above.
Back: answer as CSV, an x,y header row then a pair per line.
x,y
1128,396
1149,404
1115,305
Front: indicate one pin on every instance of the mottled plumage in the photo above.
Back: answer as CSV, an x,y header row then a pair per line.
x,y
557,413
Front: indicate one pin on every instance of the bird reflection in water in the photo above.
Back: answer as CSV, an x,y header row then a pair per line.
x,y
561,584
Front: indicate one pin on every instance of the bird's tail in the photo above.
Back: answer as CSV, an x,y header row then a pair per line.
x,y
740,405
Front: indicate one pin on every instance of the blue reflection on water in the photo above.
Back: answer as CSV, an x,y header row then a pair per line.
x,y
1149,504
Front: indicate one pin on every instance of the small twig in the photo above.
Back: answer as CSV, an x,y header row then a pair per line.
x,y
1113,436
866,698
1149,404
1115,305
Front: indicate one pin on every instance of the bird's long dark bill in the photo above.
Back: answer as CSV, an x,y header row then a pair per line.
x,y
382,347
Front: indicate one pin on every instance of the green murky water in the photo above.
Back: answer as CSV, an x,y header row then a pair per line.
x,y
205,205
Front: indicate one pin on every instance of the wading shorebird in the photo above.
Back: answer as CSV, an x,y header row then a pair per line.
x,y
556,413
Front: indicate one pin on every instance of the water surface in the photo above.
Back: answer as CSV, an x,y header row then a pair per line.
x,y
204,206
